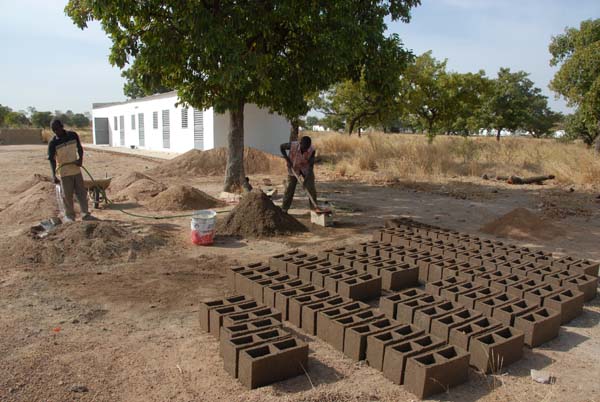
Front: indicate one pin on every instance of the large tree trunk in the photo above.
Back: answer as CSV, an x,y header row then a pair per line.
x,y
597,144
294,130
498,134
234,173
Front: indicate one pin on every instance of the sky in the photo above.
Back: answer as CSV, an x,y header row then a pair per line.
x,y
50,64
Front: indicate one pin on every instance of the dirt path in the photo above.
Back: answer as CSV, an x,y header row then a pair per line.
x,y
129,331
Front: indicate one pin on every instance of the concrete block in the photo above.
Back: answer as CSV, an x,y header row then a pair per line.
x,y
470,298
310,311
462,335
565,262
539,326
279,262
258,286
330,254
355,339
247,316
360,287
519,289
336,329
542,273
230,348
282,299
557,278
492,352
330,282
388,304
508,267
395,275
296,303
361,264
587,284
394,361
405,311
233,271
569,303
525,269
324,317
442,326
318,277
452,293
435,288
372,247
270,291
486,279
496,261
488,305
539,294
272,362
504,283
216,315
208,305
404,254
507,313
447,267
243,279
586,267
248,328
436,371
377,343
294,266
470,274
350,257
425,263
424,317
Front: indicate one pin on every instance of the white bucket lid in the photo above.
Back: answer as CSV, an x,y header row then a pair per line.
x,y
205,214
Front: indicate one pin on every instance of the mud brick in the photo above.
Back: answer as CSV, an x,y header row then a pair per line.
x,y
246,316
216,314
511,250
279,262
489,304
435,288
438,270
330,282
272,362
519,252
454,270
470,298
350,257
310,311
293,267
336,329
442,326
355,338
585,267
526,268
424,245
481,258
318,277
425,263
394,361
384,235
306,271
360,287
587,284
270,291
519,289
510,280
471,274
361,264
507,313
542,273
539,326
503,251
259,285
248,328
387,253
487,278
230,348
493,351
376,267
324,317
419,255
564,262
569,303
452,293
363,246
439,246
462,335
424,317
436,371
206,306
399,276
388,304
233,272
538,295
282,299
242,282
467,255
405,311
374,249
325,253
558,278
377,343
402,254
508,267
539,256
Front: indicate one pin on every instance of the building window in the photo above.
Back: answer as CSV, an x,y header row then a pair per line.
x,y
184,117
155,120
116,127
133,122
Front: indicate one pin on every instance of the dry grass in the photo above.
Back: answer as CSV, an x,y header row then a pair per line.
x,y
399,156
85,134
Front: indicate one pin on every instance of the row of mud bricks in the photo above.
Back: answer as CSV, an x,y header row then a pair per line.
x,y
482,301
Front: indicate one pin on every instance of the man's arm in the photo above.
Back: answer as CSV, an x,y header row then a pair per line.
x,y
311,164
283,148
51,158
79,151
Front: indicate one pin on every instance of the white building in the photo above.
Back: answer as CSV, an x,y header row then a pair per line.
x,y
155,123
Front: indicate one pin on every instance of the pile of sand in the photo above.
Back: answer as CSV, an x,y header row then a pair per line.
x,y
520,223
35,179
140,190
84,242
257,216
182,198
35,204
123,181
213,162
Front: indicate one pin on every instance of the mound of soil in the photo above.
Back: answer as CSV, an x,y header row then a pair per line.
x,y
35,204
86,242
182,198
121,182
520,223
257,216
213,162
140,190
35,179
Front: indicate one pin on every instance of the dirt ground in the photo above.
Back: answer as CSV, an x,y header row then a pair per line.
x,y
127,329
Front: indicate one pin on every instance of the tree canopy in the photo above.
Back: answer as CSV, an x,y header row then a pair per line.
x,y
228,53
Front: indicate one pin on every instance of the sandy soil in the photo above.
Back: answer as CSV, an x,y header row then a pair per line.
x,y
127,329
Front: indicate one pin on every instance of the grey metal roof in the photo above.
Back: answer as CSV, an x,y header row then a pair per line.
x,y
169,94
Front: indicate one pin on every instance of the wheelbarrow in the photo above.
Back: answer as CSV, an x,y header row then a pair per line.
x,y
97,190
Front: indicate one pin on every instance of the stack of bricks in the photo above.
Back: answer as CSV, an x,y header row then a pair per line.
x,y
255,348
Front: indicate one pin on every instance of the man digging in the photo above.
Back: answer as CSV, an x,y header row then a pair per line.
x,y
65,154
301,161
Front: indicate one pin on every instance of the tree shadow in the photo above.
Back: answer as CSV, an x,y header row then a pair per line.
x,y
588,319
565,341
317,373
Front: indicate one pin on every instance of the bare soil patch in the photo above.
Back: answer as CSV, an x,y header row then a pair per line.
x,y
140,190
520,223
34,204
182,198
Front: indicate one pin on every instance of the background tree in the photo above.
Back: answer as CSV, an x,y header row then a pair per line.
x,y
467,93
541,121
311,121
577,52
41,119
138,85
4,111
16,119
228,53
80,120
577,127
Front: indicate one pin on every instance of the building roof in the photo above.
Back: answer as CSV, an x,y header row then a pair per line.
x,y
169,94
